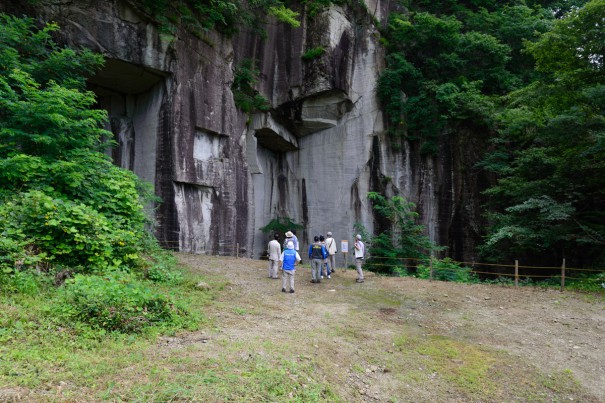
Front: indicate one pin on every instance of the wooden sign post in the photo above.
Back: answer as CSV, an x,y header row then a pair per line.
x,y
344,248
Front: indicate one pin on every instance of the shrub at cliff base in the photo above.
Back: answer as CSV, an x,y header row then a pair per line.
x,y
116,301
66,212
66,232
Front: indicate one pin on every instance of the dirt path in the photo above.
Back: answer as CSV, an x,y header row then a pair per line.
x,y
376,341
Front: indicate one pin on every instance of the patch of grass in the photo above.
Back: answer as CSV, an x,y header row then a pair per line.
x,y
37,349
240,311
249,379
477,373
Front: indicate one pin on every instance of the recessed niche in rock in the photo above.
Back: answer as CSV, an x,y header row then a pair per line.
x,y
194,204
133,97
206,145
125,78
264,132
271,140
323,111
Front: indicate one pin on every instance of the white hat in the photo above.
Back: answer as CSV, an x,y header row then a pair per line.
x,y
289,234
290,245
329,233
358,237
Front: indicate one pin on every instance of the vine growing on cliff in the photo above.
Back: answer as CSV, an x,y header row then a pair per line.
x,y
246,97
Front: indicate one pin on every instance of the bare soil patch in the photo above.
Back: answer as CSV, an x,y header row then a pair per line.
x,y
541,345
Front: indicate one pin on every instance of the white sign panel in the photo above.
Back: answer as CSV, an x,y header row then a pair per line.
x,y
344,246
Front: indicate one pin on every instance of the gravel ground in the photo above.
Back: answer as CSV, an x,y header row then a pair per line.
x,y
350,326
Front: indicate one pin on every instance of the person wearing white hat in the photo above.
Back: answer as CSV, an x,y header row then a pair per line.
x,y
331,248
289,258
360,250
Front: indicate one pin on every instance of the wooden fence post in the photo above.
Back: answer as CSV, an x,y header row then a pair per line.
x,y
516,273
237,250
431,277
563,275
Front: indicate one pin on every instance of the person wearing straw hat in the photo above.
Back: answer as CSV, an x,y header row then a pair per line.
x,y
289,258
291,237
360,250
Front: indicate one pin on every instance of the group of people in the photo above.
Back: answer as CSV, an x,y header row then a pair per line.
x,y
322,254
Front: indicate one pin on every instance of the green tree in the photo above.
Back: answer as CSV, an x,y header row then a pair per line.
x,y
550,152
62,201
405,239
449,62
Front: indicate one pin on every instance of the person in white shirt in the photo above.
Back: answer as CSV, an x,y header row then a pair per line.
x,y
331,248
360,250
291,237
274,253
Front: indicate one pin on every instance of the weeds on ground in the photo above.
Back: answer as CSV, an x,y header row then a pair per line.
x,y
479,374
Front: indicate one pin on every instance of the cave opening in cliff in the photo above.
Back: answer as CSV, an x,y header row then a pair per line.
x,y
133,96
272,141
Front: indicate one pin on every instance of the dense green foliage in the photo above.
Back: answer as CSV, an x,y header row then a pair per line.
x,y
61,200
529,76
405,238
280,225
245,96
448,62
313,53
550,153
446,270
225,16
65,209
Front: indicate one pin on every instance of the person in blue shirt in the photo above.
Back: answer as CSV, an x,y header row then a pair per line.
x,y
317,255
289,259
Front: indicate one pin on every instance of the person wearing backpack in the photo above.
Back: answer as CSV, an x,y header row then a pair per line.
x,y
317,254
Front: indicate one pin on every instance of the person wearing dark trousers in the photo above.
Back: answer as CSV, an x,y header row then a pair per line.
x,y
317,254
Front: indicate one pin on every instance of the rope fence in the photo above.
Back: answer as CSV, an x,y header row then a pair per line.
x,y
562,271
558,272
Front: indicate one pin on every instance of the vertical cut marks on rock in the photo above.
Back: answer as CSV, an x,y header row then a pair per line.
x,y
195,206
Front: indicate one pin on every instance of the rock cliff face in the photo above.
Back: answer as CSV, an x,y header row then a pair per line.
x,y
223,174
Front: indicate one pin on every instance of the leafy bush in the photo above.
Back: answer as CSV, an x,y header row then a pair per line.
x,y
160,268
62,231
446,270
114,302
62,201
313,53
22,282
